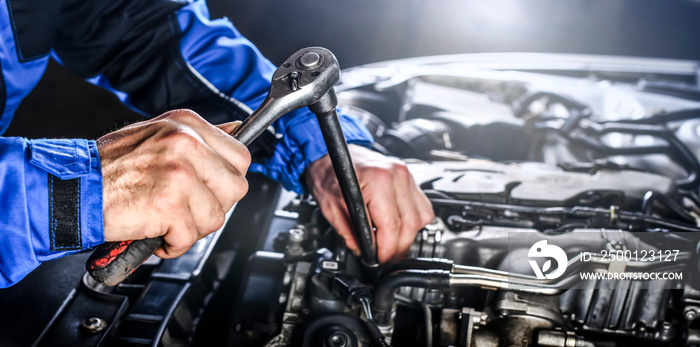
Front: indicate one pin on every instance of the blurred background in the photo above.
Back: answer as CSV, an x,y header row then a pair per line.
x,y
365,31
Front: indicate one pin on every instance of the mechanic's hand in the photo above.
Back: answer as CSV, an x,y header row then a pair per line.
x,y
173,176
397,206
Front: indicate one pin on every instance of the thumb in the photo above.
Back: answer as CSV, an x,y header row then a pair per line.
x,y
229,127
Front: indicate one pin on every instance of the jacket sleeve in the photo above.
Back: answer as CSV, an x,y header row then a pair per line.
x,y
162,55
51,202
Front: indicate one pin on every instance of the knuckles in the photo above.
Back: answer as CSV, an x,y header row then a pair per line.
x,y
183,140
178,173
400,171
413,222
183,242
181,115
218,219
392,223
168,202
246,157
427,216
239,190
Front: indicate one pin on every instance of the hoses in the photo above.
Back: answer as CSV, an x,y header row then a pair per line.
x,y
572,212
371,325
589,133
472,276
653,196
375,333
388,284
489,278
419,264
427,316
354,293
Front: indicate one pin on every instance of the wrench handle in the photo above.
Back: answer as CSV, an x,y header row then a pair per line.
x,y
347,178
112,262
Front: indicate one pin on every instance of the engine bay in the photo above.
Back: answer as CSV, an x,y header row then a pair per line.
x,y
588,153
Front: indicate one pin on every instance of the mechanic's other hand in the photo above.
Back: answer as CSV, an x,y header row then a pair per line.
x,y
173,176
396,204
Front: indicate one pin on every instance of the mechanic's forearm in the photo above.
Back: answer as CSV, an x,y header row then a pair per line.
x,y
51,202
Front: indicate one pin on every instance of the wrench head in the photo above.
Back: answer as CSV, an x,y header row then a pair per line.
x,y
309,73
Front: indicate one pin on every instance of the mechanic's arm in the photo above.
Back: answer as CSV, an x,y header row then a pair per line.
x,y
144,180
164,55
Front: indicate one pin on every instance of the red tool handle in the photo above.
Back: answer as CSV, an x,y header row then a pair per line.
x,y
112,262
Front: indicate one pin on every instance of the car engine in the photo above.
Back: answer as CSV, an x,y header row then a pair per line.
x,y
500,153
593,154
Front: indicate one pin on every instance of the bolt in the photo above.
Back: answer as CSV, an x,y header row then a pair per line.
x,y
296,235
93,325
690,314
666,330
310,60
337,339
615,244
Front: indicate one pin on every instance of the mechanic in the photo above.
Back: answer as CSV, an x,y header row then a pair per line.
x,y
174,175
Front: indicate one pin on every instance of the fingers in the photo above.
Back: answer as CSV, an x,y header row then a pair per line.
x,y
180,232
207,212
202,216
397,206
178,238
409,210
220,177
229,127
381,200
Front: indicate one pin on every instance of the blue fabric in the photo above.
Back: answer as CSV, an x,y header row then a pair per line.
x,y
24,224
20,78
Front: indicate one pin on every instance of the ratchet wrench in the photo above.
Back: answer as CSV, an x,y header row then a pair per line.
x,y
306,78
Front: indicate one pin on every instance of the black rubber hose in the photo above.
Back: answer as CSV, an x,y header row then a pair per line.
x,y
653,196
676,149
664,117
375,333
418,264
384,291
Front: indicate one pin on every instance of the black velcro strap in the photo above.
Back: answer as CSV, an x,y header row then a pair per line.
x,y
64,214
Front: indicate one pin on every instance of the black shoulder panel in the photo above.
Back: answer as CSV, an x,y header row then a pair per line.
x,y
34,24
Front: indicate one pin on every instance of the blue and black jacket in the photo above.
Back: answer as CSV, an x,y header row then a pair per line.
x,y
155,55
